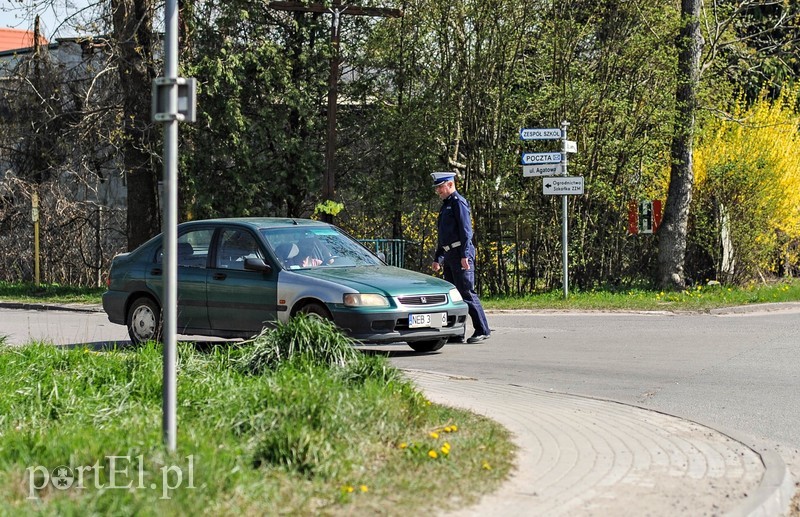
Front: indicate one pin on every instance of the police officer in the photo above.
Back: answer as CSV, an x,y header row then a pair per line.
x,y
455,252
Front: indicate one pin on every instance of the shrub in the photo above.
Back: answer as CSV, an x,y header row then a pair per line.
x,y
304,339
747,200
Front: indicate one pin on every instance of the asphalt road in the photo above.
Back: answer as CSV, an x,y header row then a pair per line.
x,y
732,371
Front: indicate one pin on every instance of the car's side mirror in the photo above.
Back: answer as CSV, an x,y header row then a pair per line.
x,y
257,264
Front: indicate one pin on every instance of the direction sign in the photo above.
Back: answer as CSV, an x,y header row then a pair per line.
x,y
571,146
540,134
550,169
540,158
565,185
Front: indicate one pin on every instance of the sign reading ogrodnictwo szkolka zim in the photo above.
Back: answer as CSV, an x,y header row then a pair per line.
x,y
563,185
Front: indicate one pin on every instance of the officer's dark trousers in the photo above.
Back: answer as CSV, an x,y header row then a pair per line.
x,y
465,283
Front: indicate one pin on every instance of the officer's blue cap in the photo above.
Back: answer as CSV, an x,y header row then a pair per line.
x,y
441,177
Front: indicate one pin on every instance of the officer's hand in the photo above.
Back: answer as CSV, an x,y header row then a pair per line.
x,y
464,263
435,266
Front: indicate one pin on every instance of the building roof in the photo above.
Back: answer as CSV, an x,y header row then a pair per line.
x,y
12,39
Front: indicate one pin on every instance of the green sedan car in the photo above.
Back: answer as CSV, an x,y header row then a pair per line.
x,y
236,276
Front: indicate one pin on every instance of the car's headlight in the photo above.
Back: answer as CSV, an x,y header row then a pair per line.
x,y
365,300
455,296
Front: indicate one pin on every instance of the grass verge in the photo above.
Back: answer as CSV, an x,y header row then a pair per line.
x,y
305,434
697,298
52,293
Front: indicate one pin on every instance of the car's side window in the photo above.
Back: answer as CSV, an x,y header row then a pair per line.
x,y
193,248
234,247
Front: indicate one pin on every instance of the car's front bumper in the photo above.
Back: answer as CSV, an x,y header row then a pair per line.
x,y
392,326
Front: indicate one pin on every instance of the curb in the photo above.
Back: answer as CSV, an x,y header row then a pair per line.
x,y
70,307
775,492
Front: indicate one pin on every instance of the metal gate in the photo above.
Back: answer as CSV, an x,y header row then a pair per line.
x,y
393,249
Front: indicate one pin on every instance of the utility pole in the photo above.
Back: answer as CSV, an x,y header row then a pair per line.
x,y
337,9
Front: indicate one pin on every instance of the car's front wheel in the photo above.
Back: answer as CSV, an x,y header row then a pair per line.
x,y
316,310
428,346
144,321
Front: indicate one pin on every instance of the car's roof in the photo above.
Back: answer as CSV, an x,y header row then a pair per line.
x,y
259,223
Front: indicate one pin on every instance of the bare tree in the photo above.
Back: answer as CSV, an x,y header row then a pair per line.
x,y
133,28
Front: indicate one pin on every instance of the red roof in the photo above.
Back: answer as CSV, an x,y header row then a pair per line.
x,y
12,39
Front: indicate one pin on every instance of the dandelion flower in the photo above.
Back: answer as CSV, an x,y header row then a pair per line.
x,y
403,445
486,466
434,435
433,454
454,427
364,488
347,489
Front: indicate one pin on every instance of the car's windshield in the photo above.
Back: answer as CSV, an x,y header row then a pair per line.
x,y
306,247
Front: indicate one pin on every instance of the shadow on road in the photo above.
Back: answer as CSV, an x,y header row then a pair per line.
x,y
110,346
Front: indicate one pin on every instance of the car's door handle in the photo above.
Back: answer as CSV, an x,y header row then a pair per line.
x,y
220,276
155,271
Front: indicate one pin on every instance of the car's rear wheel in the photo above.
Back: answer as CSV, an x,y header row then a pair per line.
x,y
144,321
428,346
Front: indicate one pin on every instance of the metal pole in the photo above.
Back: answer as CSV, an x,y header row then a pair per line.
x,y
564,222
328,183
35,217
170,235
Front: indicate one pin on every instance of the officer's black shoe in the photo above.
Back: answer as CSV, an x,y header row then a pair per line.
x,y
477,338
457,339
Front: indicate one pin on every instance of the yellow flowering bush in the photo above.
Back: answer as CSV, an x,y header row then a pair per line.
x,y
746,208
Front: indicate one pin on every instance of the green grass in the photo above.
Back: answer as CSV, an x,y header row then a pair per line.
x,y
49,293
309,434
698,298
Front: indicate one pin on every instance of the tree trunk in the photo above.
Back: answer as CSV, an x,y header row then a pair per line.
x,y
133,21
674,227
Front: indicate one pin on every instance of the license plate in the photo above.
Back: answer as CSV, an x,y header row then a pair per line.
x,y
436,319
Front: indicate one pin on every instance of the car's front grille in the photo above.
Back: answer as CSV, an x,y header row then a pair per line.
x,y
423,300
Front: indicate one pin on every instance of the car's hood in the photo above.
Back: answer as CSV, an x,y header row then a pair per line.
x,y
387,279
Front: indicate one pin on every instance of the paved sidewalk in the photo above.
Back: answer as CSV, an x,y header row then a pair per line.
x,y
584,456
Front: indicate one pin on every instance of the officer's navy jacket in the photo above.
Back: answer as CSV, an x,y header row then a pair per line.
x,y
455,225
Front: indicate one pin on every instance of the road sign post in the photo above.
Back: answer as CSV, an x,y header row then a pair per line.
x,y
554,164
564,223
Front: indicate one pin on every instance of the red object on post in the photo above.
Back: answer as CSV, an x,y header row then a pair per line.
x,y
633,217
656,214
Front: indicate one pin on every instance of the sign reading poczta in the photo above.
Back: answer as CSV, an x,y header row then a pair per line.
x,y
540,158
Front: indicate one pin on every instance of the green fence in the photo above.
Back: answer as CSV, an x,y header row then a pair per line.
x,y
393,249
